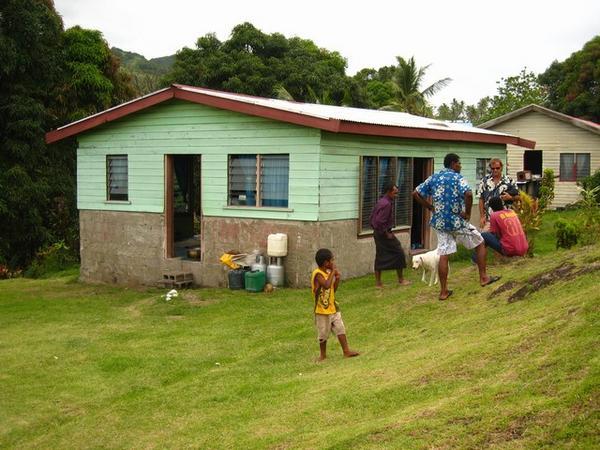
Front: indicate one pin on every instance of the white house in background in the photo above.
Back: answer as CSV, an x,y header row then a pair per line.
x,y
569,146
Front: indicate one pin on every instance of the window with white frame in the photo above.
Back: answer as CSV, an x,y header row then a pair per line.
x,y
117,178
574,166
259,180
481,167
376,171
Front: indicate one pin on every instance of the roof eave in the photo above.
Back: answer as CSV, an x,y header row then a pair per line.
x,y
109,115
548,112
438,135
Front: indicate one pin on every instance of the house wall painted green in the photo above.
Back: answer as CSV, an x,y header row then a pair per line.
x,y
324,167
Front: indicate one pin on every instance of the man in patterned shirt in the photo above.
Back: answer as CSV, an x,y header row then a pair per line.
x,y
494,185
452,202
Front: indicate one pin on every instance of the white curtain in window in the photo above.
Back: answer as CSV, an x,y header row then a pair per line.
x,y
275,180
583,165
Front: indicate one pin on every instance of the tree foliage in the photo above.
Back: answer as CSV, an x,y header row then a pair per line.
x,y
48,77
574,84
515,92
409,95
256,63
455,112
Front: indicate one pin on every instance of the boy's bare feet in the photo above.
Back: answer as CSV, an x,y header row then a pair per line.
x,y
404,282
320,359
350,354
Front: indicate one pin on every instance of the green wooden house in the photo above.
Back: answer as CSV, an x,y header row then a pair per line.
x,y
172,180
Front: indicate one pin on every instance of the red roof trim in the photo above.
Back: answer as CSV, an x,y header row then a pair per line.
x,y
259,110
108,115
332,125
423,133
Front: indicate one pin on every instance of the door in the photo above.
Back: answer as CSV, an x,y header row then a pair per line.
x,y
419,231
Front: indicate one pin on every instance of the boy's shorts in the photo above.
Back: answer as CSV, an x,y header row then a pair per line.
x,y
447,240
329,323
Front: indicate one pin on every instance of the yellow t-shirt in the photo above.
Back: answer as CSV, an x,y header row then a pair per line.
x,y
324,298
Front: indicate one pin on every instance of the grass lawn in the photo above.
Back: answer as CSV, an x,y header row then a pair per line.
x,y
91,366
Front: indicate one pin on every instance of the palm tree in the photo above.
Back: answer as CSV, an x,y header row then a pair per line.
x,y
407,81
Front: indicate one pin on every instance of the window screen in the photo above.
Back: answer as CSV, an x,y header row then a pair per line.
x,y
375,173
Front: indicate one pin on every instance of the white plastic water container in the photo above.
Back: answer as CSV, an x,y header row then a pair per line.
x,y
277,244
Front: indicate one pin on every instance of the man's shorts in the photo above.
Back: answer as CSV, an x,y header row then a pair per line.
x,y
468,237
329,323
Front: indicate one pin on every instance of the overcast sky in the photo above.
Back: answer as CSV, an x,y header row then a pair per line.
x,y
474,42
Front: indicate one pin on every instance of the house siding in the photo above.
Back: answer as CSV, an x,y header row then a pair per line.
x,y
189,129
553,137
340,165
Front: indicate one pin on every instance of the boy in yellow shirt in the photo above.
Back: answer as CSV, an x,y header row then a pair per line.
x,y
324,282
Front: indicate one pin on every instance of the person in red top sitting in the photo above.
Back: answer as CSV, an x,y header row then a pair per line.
x,y
506,234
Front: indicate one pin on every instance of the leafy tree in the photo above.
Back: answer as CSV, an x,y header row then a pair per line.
x,y
515,92
252,62
29,70
408,95
454,112
92,77
47,78
475,113
574,84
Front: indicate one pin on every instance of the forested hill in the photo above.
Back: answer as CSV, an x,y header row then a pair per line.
x,y
135,62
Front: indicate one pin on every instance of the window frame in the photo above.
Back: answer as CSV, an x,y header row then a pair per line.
x,y
110,196
486,168
258,187
364,231
573,178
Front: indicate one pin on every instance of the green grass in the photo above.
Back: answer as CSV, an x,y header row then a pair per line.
x,y
89,366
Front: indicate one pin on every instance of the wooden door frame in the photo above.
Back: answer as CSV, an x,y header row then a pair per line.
x,y
425,228
169,211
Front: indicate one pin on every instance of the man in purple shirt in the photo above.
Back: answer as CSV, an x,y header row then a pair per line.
x,y
388,251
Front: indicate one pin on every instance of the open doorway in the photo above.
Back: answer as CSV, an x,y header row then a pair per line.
x,y
532,161
184,210
419,231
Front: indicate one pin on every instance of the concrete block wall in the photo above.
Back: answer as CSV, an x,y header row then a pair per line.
x,y
127,248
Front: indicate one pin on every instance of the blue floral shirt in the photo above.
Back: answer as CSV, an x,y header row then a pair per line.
x,y
447,189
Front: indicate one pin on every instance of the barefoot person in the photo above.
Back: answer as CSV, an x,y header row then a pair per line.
x,y
506,234
388,251
452,203
324,282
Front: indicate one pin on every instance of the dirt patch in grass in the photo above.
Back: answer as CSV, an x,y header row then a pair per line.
x,y
564,272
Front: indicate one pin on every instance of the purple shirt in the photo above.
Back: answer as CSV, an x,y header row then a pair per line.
x,y
381,218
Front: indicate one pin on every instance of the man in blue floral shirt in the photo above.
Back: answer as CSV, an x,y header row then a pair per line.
x,y
452,200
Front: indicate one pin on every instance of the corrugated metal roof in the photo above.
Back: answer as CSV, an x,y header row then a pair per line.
x,y
345,113
336,119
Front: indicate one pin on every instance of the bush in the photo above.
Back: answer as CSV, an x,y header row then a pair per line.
x,y
592,182
567,234
530,215
55,258
546,193
590,211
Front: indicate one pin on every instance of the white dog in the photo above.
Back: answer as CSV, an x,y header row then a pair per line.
x,y
428,262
